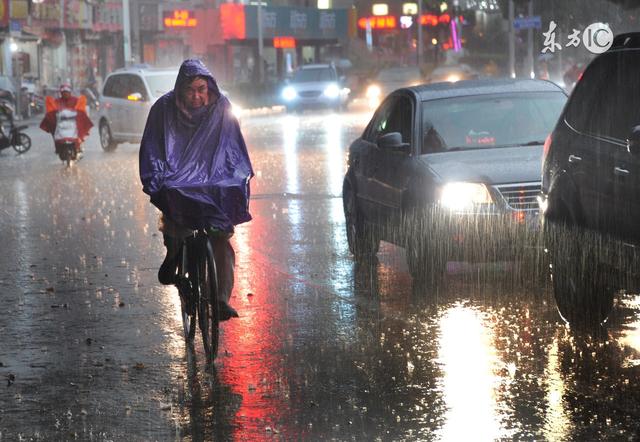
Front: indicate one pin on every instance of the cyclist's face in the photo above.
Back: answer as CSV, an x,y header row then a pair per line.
x,y
196,94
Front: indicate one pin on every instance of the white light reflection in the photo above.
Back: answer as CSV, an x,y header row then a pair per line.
x,y
22,217
556,422
290,128
631,333
290,145
469,384
335,169
172,326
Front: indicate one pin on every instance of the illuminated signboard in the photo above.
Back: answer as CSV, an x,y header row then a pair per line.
x,y
284,42
380,9
435,20
384,22
179,18
410,9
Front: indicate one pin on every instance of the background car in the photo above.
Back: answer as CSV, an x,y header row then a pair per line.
x,y
591,187
127,97
453,73
389,79
450,171
315,86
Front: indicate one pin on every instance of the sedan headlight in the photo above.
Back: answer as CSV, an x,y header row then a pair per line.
x,y
452,78
332,91
464,196
289,93
373,91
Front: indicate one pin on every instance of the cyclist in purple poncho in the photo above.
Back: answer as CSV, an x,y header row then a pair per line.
x,y
195,166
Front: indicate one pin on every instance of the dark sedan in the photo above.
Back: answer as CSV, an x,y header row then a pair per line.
x,y
450,169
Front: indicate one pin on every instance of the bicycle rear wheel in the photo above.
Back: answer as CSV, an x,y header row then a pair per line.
x,y
209,316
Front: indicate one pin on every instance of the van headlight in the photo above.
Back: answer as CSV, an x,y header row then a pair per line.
x,y
332,91
464,196
289,93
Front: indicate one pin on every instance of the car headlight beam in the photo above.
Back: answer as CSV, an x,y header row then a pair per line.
x,y
289,93
464,196
373,91
332,91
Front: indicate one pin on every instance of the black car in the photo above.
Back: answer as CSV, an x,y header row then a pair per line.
x,y
591,186
449,169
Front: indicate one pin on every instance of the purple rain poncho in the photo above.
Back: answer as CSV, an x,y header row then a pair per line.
x,y
195,166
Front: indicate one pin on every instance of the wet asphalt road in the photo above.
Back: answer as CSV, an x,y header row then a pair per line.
x,y
91,345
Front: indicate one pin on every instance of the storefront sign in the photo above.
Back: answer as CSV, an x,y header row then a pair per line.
x,y
284,42
149,17
46,12
384,22
4,12
19,9
78,15
179,18
240,22
108,17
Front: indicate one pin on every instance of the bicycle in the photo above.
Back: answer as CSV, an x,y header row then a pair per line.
x,y
197,283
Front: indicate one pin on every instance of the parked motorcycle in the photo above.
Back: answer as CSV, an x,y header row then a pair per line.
x,y
10,134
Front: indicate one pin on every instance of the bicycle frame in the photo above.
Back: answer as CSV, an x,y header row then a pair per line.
x,y
197,264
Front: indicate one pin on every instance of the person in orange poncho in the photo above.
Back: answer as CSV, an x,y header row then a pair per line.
x,y
66,118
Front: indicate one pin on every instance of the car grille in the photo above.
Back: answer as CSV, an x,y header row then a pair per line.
x,y
309,94
520,196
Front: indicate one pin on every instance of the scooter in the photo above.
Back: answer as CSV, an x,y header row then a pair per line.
x,y
10,134
66,150
66,136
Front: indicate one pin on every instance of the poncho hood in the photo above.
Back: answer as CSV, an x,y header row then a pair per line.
x,y
196,171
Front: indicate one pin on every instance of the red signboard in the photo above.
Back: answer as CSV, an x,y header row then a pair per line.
x,y
435,20
378,22
179,18
284,42
232,21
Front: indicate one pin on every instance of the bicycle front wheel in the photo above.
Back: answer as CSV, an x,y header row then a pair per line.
x,y
187,310
209,316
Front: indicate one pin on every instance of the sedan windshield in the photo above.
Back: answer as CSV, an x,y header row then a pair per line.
x,y
399,74
160,84
488,121
313,75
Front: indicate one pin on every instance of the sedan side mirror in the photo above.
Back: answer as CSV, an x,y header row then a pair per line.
x,y
392,141
633,142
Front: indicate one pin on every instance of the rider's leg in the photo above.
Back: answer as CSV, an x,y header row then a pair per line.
x,y
225,263
167,271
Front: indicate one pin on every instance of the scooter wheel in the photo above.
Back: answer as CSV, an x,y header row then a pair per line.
x,y
24,143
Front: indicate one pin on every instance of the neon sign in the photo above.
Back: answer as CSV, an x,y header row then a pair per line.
x,y
179,18
284,42
381,22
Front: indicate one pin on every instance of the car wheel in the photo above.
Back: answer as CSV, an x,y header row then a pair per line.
x,y
106,140
583,288
362,240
